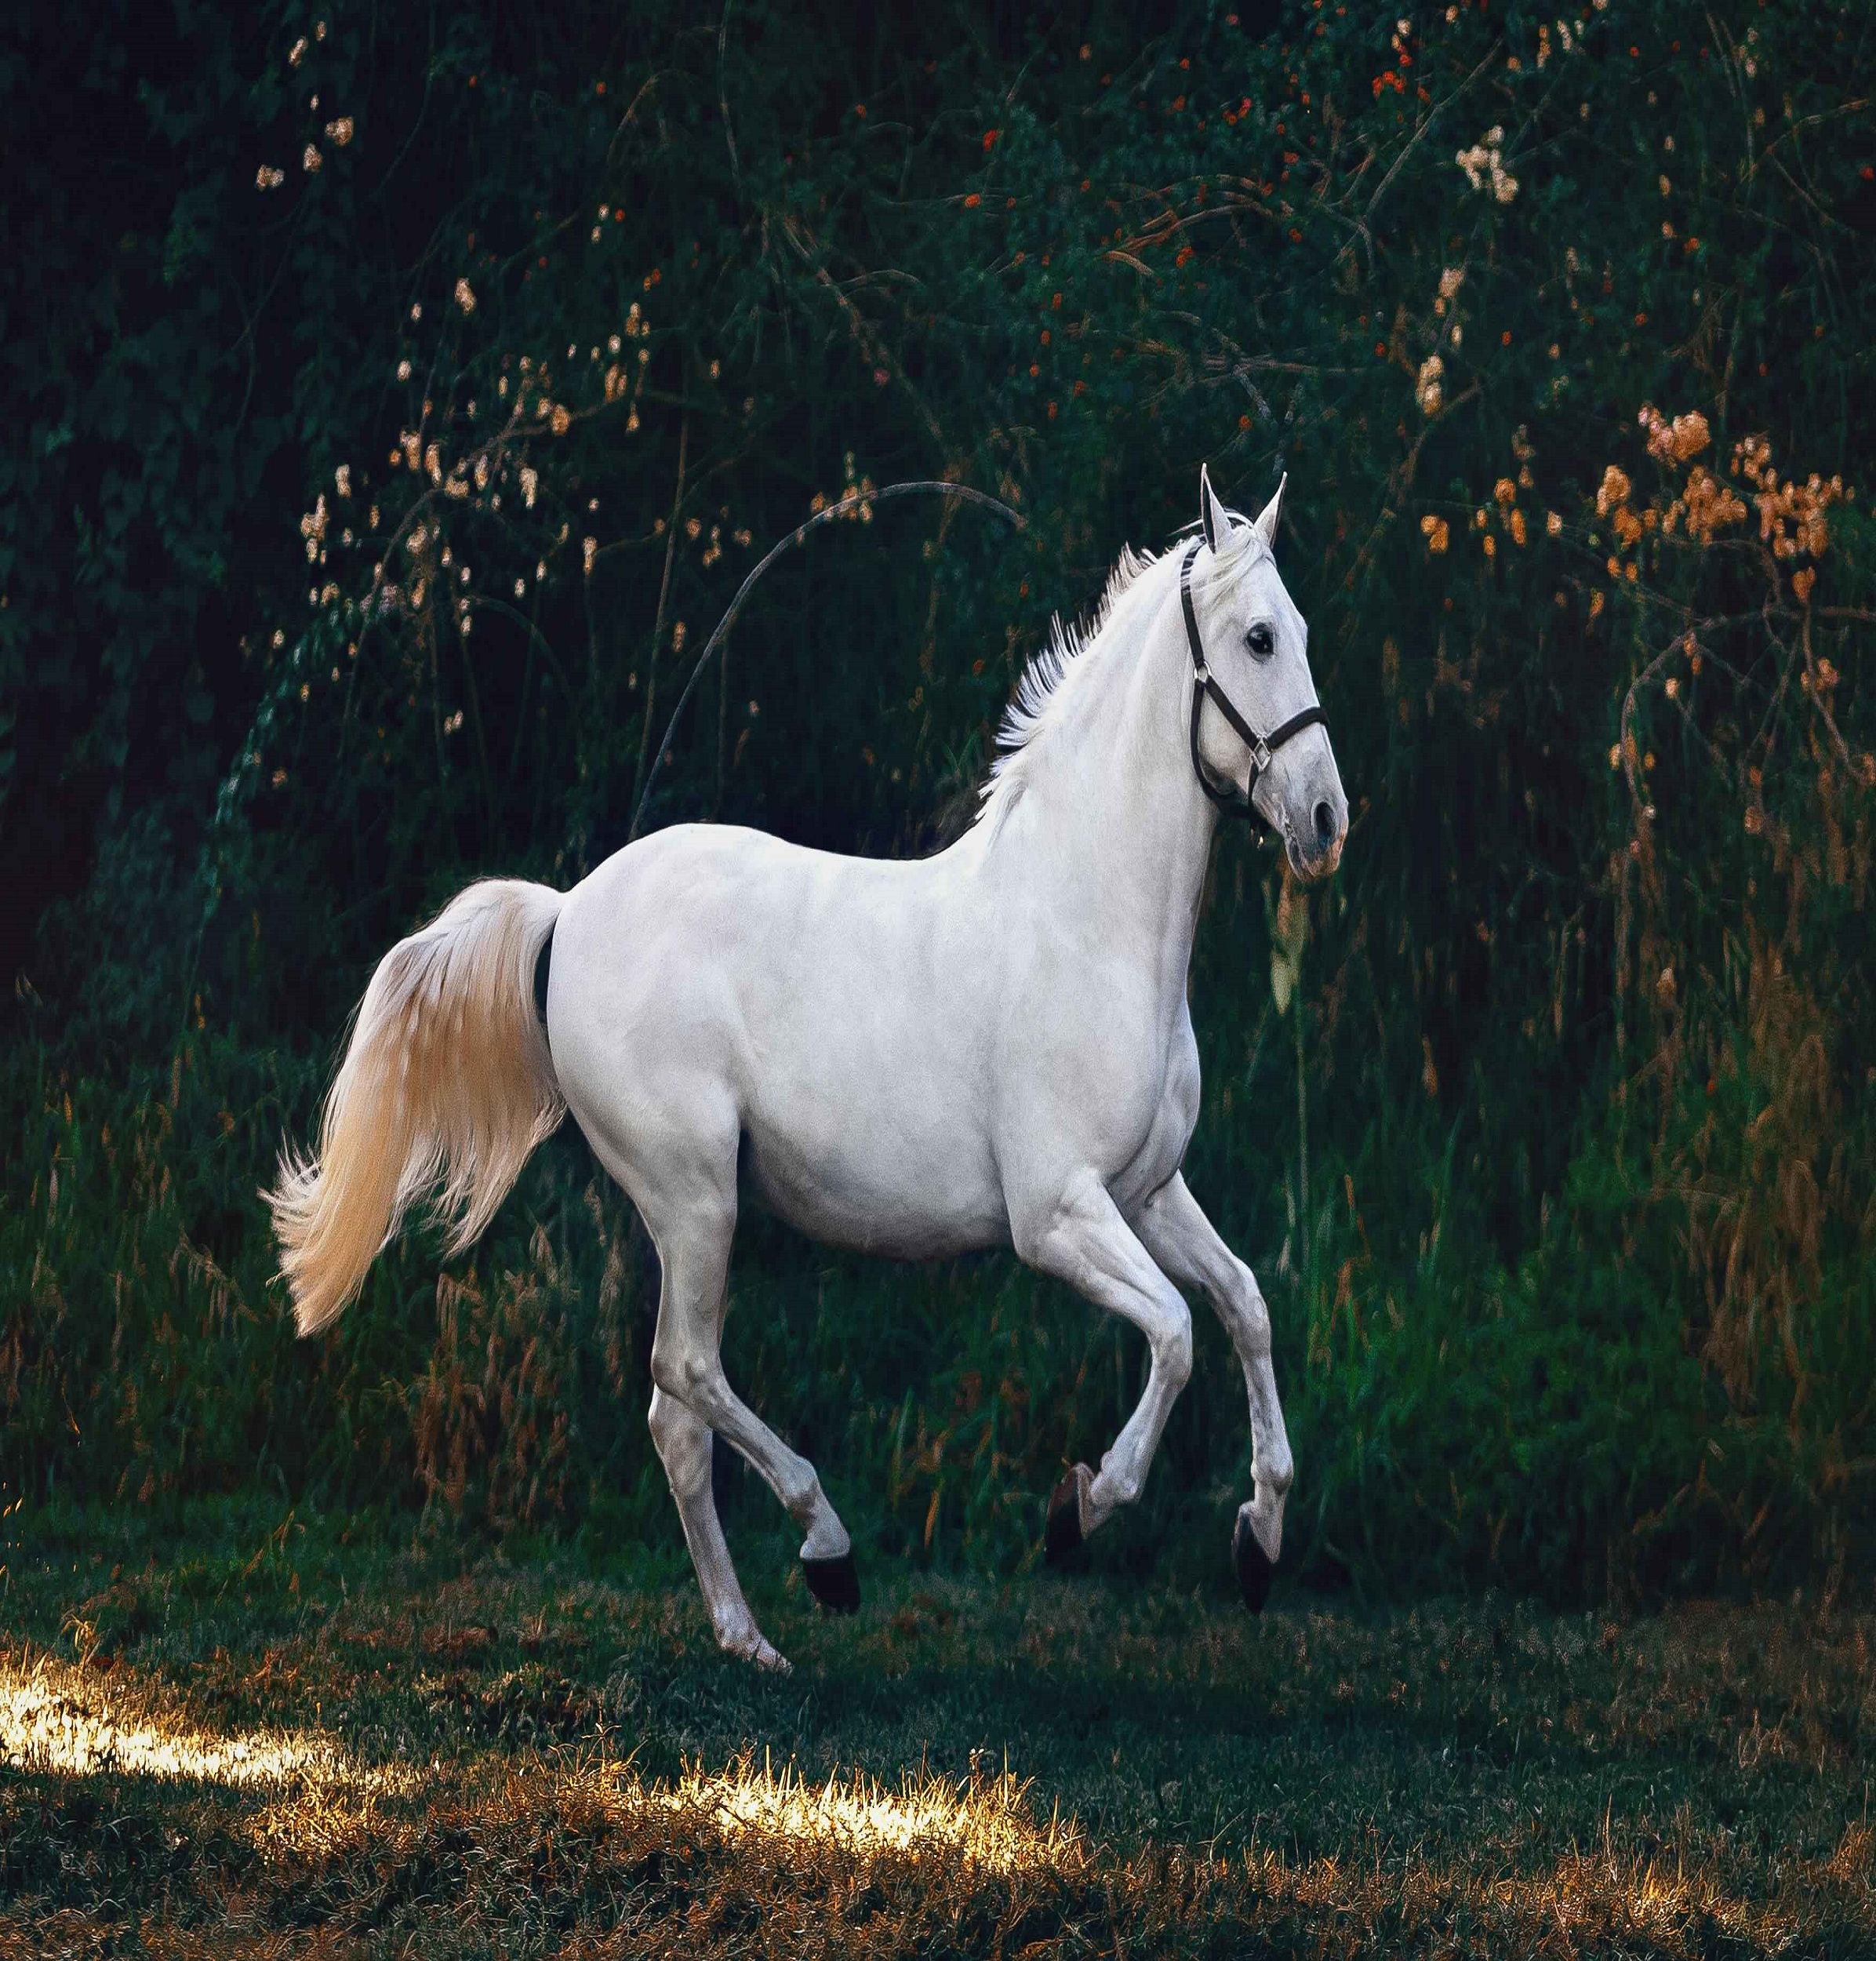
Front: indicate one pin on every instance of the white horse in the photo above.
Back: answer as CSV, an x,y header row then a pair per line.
x,y
987,1047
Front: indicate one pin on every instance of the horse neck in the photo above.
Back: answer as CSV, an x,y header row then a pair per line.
x,y
1113,812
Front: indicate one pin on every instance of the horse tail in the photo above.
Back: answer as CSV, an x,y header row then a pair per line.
x,y
446,1088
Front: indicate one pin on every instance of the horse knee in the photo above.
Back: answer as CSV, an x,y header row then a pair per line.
x,y
1251,1318
667,1421
1173,1351
682,1442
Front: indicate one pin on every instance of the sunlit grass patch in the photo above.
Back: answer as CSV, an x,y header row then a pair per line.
x,y
983,1823
61,1720
1489,1900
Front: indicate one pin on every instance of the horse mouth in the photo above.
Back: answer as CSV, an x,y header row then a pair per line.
x,y
1308,866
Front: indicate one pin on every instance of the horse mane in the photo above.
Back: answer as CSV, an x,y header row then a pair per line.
x,y
1059,656
1064,646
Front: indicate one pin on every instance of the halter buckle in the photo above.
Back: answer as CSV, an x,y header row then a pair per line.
x,y
1261,756
1202,674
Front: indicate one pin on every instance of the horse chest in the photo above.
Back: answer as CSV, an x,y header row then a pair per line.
x,y
1162,1148
1116,1091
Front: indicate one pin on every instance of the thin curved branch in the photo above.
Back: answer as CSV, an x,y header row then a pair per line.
x,y
846,506
729,134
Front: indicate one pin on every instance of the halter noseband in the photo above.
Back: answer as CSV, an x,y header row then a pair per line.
x,y
1262,747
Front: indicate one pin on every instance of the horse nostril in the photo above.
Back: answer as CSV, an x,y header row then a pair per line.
x,y
1325,826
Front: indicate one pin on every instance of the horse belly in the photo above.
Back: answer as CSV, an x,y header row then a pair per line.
x,y
879,1177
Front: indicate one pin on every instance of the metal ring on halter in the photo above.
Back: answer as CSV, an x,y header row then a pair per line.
x,y
1205,688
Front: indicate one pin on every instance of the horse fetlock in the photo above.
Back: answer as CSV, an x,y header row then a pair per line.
x,y
763,1654
1264,1518
827,1536
1275,1471
798,1487
1114,1486
738,1634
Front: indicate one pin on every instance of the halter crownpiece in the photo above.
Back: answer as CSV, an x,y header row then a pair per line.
x,y
1263,748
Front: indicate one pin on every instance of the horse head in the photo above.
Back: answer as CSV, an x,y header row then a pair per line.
x,y
1268,739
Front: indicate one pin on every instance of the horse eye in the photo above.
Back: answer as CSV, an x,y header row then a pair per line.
x,y
1261,642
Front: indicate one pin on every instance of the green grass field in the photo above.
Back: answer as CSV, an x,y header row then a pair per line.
x,y
256,1738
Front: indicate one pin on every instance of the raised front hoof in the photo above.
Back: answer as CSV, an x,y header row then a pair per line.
x,y
833,1583
1064,1535
1253,1565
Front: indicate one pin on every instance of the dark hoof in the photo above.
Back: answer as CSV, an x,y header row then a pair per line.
x,y
833,1583
1062,1537
1254,1568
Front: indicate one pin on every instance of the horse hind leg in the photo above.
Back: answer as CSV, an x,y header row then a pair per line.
x,y
684,1446
687,1367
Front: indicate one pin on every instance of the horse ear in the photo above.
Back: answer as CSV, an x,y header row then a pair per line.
x,y
1268,516
1211,514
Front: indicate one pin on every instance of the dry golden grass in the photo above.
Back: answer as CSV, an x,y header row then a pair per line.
x,y
515,1761
599,1862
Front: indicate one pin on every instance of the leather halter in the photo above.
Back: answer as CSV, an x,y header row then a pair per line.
x,y
1204,686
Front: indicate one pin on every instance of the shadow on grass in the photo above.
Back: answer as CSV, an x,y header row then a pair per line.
x,y
388,1753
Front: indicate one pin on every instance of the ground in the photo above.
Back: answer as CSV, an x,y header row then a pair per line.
x,y
246,1741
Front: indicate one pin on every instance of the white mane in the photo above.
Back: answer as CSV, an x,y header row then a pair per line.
x,y
1040,687
1066,644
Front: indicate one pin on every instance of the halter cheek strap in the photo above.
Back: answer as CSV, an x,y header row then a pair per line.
x,y
1205,688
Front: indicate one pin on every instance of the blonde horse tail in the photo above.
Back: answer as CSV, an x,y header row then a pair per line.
x,y
446,1088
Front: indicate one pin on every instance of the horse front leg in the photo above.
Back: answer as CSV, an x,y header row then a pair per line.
x,y
1081,1237
1184,1242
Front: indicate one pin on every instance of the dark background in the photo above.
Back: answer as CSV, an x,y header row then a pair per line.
x,y
1554,1160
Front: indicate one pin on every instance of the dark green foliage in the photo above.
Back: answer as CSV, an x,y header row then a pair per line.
x,y
1547,1126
